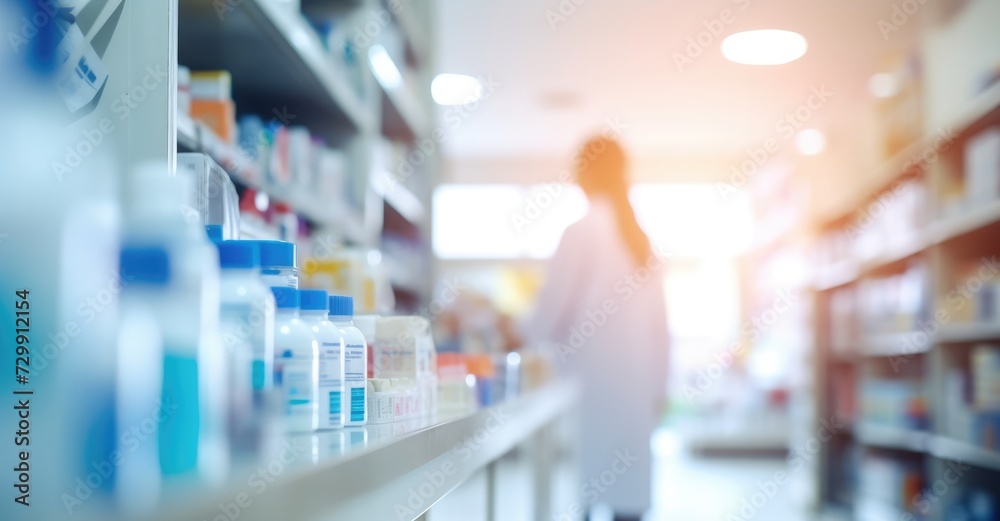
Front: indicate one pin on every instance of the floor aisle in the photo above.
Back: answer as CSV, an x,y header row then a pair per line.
x,y
689,488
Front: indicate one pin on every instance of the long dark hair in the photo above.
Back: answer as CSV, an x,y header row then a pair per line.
x,y
601,169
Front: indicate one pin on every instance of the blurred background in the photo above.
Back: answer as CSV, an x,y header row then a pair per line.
x,y
820,178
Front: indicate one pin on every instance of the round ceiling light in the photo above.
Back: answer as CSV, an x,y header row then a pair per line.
x,y
764,47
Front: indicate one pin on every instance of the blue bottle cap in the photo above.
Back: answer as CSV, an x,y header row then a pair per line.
x,y
144,265
277,253
239,255
285,297
214,232
341,306
312,300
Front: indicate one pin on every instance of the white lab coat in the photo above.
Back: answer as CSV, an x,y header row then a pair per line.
x,y
609,317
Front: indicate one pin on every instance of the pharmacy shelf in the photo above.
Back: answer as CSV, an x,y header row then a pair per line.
x,y
951,449
404,115
939,232
898,250
897,344
187,133
328,6
413,30
397,195
197,137
242,168
948,239
404,277
965,223
835,275
278,63
981,106
970,332
393,471
892,437
904,344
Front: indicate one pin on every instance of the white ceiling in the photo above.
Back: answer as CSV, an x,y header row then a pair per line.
x,y
616,57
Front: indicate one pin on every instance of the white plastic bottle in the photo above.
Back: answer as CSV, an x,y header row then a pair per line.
x,y
140,350
314,306
277,264
355,360
193,440
296,363
247,323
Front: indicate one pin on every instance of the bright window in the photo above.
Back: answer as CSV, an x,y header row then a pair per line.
x,y
503,221
508,221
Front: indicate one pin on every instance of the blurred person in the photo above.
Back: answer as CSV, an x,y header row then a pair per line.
x,y
602,308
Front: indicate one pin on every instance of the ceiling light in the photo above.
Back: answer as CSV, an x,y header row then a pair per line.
x,y
883,85
455,89
764,47
382,65
810,141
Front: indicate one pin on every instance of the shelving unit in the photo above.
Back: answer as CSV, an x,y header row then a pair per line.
x,y
965,333
892,437
283,72
949,449
890,345
371,472
920,348
277,62
196,137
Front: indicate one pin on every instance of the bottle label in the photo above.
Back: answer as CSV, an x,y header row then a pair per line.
x,y
355,379
294,375
334,403
357,404
355,364
258,374
331,381
178,434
